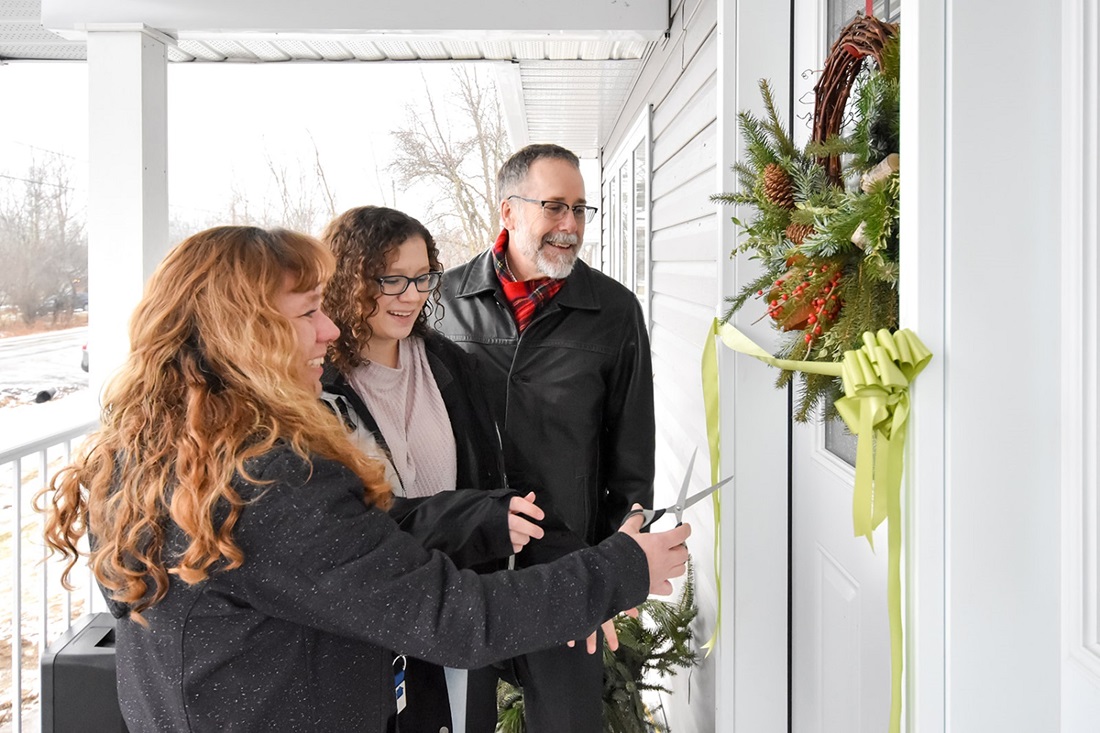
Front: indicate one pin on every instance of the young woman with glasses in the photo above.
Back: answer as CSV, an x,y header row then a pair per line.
x,y
413,400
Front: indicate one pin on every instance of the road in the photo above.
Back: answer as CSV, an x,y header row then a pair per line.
x,y
51,360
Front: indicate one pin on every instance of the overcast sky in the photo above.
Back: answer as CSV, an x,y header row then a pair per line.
x,y
224,118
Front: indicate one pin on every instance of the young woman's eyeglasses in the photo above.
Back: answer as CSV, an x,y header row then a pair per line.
x,y
397,284
555,210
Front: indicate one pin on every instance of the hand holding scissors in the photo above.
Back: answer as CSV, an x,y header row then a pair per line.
x,y
683,501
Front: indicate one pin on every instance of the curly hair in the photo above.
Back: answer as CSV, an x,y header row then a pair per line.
x,y
210,383
363,240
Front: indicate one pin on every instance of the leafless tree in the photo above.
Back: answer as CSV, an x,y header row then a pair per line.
x,y
297,207
306,202
299,198
456,147
240,206
43,243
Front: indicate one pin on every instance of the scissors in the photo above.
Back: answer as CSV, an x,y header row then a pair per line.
x,y
683,501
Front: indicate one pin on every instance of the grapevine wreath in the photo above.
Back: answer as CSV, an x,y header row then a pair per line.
x,y
825,224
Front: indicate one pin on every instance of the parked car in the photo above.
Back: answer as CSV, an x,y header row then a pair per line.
x,y
67,302
84,357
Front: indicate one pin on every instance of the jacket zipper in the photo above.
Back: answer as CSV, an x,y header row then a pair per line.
x,y
519,342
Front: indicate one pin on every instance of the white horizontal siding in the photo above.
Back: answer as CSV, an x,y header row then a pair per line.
x,y
685,202
679,80
691,240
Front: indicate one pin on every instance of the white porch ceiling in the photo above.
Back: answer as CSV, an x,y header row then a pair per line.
x,y
571,84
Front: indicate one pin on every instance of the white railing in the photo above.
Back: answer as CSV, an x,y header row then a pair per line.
x,y
34,608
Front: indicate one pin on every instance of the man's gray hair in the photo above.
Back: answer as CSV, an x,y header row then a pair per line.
x,y
514,171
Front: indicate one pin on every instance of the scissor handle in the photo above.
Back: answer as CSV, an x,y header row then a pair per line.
x,y
649,516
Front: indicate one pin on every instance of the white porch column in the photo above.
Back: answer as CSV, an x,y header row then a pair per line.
x,y
127,182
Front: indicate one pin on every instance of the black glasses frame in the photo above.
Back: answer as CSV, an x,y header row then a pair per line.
x,y
588,213
425,283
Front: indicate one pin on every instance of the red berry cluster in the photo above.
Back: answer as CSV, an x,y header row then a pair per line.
x,y
805,299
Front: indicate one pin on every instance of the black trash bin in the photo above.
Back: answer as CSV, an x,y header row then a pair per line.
x,y
79,692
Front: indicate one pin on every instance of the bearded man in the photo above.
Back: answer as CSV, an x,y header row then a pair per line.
x,y
564,351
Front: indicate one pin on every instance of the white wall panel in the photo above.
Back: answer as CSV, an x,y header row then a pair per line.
x,y
685,291
694,158
686,202
692,282
694,142
695,77
1002,426
692,240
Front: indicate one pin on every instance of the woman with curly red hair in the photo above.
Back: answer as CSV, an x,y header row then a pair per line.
x,y
240,537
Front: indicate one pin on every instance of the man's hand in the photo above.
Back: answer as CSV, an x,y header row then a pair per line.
x,y
609,633
665,552
521,531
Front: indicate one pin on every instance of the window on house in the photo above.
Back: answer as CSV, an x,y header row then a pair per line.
x,y
641,222
627,195
838,440
626,214
841,13
611,246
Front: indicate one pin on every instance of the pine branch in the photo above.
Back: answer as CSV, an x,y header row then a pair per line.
x,y
783,144
891,58
763,282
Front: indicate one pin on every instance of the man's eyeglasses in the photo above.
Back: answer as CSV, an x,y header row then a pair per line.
x,y
556,210
398,284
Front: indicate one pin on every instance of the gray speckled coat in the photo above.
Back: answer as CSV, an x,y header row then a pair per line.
x,y
296,638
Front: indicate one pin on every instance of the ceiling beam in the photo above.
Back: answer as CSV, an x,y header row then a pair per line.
x,y
637,19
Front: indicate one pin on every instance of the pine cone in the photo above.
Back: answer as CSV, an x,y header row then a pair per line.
x,y
798,232
777,186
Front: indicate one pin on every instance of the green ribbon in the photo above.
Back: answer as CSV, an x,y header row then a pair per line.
x,y
875,407
711,405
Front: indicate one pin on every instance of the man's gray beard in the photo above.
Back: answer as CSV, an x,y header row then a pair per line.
x,y
557,268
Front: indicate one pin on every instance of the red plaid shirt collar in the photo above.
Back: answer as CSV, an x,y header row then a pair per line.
x,y
525,297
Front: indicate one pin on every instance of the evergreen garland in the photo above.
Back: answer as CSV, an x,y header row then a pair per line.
x,y
658,642
828,253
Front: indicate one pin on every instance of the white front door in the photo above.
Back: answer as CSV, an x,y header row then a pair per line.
x,y
840,642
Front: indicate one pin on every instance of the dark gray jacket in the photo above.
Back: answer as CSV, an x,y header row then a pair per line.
x,y
296,638
573,394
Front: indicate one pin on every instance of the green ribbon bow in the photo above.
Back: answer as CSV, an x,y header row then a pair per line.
x,y
875,407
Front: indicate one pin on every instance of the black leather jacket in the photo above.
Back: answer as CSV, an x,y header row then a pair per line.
x,y
573,394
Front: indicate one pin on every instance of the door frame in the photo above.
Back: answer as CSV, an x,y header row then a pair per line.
x,y
752,671
922,294
1080,317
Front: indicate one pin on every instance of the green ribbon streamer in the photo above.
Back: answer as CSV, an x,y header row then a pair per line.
x,y
711,404
875,407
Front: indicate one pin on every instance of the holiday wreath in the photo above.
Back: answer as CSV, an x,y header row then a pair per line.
x,y
826,231
825,224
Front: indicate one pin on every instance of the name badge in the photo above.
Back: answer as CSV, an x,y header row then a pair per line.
x,y
399,683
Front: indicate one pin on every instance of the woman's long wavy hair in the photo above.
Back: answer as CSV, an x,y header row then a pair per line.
x,y
362,239
211,382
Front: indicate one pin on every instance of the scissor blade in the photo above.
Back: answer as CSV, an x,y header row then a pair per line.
x,y
705,493
687,480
